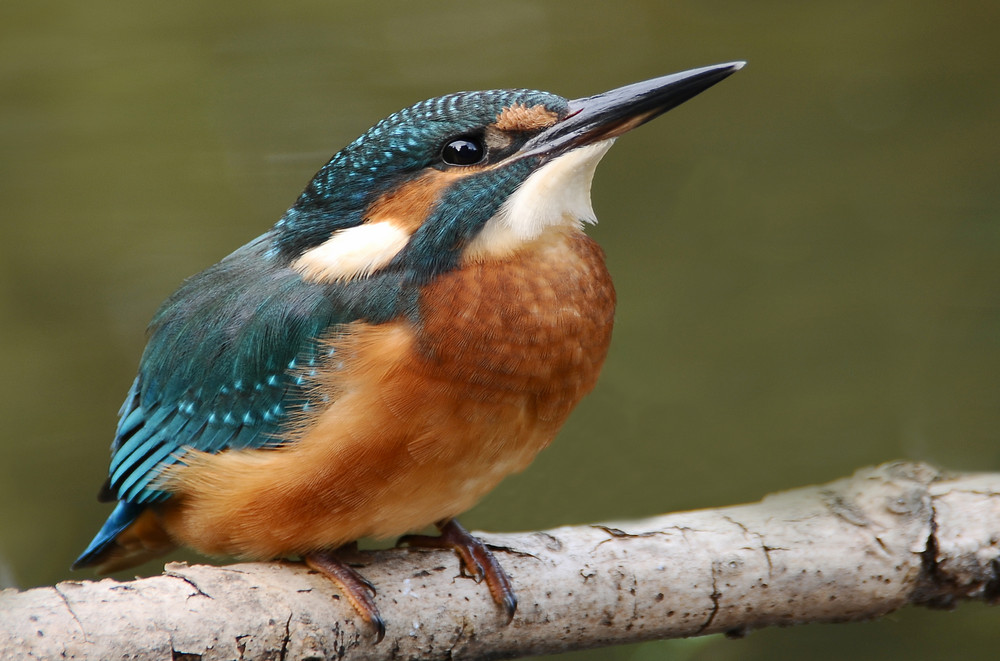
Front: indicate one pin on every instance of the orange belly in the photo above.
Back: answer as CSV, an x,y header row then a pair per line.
x,y
425,418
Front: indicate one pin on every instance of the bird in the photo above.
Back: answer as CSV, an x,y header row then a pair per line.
x,y
418,325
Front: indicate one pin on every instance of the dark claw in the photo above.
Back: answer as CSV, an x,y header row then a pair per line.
x,y
368,584
477,561
356,588
509,605
379,624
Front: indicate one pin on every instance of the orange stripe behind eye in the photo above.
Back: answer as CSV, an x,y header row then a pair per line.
x,y
409,205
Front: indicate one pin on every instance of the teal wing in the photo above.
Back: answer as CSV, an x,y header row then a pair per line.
x,y
227,362
227,365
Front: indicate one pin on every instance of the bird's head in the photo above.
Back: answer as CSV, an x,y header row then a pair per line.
x,y
472,175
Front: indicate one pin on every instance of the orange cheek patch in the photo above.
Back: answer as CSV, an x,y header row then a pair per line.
x,y
520,117
409,205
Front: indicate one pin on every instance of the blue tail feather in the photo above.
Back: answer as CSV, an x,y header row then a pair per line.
x,y
121,518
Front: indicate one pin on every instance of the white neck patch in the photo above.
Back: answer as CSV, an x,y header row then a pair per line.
x,y
557,194
353,252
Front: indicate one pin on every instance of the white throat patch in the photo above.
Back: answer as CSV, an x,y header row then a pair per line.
x,y
557,194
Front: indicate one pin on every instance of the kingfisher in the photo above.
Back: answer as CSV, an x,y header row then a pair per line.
x,y
417,326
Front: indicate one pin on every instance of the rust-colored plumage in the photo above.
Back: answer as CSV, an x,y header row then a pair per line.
x,y
425,420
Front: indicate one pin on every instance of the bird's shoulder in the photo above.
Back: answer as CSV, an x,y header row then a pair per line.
x,y
226,364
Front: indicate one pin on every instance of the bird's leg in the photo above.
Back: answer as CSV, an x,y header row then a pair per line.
x,y
354,586
477,560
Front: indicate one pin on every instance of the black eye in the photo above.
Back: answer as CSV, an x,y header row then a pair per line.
x,y
463,151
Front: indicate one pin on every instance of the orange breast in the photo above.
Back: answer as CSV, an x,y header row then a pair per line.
x,y
426,417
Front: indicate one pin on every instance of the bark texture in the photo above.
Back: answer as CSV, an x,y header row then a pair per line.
x,y
854,549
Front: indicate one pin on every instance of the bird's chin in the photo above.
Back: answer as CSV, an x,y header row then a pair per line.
x,y
557,194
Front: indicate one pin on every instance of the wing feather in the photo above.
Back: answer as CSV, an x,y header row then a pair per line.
x,y
222,368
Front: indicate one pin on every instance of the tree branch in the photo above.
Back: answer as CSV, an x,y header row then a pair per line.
x,y
853,549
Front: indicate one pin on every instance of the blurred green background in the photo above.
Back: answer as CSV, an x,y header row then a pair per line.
x,y
807,256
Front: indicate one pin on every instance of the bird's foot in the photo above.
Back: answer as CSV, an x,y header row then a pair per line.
x,y
355,587
477,561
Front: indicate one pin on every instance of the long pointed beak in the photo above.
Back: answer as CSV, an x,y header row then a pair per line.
x,y
610,114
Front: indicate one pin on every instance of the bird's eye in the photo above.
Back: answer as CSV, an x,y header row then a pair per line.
x,y
463,151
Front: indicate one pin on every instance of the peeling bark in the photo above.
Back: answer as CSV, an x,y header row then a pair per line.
x,y
854,549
